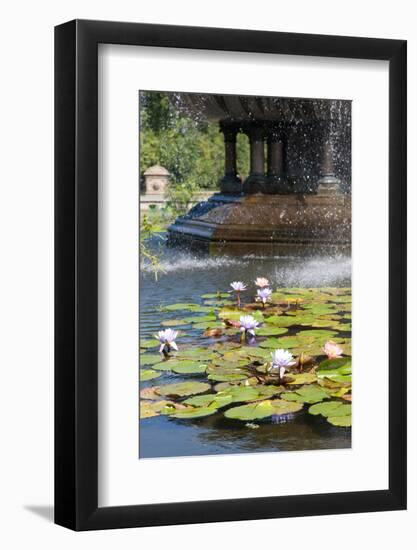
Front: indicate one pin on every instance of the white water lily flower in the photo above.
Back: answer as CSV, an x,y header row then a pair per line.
x,y
167,338
248,324
263,294
281,359
238,286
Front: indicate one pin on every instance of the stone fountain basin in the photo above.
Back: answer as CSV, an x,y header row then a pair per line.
x,y
305,224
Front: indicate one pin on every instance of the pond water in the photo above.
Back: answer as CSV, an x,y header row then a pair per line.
x,y
185,279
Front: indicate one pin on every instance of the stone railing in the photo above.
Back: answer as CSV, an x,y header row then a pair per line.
x,y
159,200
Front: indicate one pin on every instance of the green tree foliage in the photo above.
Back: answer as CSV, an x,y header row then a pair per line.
x,y
190,147
147,255
192,150
243,155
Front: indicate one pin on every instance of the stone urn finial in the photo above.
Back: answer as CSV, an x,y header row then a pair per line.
x,y
156,180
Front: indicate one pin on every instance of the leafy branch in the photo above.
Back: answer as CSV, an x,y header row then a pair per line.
x,y
147,230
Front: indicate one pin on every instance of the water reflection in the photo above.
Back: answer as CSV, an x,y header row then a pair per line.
x,y
215,434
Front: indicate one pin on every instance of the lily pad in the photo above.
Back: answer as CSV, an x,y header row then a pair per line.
x,y
202,309
341,392
303,319
342,299
226,366
307,394
343,421
346,369
280,321
302,378
200,318
190,368
281,406
224,386
340,378
262,409
149,359
196,308
269,390
326,408
272,343
149,393
193,412
227,377
180,307
174,323
280,297
222,347
179,366
322,334
256,352
242,393
336,412
208,324
343,410
347,347
219,302
330,384
209,400
289,342
163,365
223,366
183,389
251,393
149,343
331,364
149,409
320,309
148,374
271,331
197,354
324,323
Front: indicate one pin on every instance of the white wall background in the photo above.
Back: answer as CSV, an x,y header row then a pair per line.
x,y
26,301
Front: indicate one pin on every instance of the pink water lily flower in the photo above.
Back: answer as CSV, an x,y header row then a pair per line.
x,y
281,360
263,294
332,350
248,324
167,338
261,282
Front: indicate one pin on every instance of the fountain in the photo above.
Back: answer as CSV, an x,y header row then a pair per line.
x,y
296,199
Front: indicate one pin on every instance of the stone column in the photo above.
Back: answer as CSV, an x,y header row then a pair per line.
x,y
230,183
328,182
256,181
277,180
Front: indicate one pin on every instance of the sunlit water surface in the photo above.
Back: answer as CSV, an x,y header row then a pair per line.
x,y
185,278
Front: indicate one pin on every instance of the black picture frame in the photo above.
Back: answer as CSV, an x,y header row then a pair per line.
x,y
76,272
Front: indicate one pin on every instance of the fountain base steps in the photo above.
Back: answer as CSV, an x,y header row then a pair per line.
x,y
293,224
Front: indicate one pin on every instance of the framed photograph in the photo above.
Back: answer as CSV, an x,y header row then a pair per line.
x,y
230,275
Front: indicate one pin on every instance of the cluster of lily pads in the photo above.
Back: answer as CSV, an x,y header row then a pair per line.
x,y
281,352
